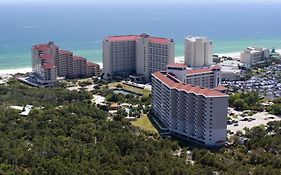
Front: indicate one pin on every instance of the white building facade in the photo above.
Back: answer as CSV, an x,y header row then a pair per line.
x,y
198,52
207,77
136,54
192,112
253,55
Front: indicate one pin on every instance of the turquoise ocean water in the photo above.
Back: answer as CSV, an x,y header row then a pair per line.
x,y
81,28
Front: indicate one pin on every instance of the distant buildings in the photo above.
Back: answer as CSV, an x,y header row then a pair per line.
x,y
190,111
253,55
198,52
49,62
138,55
231,69
92,69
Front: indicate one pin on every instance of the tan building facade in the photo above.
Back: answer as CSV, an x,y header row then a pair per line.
x,y
93,69
136,54
253,55
198,52
192,112
65,64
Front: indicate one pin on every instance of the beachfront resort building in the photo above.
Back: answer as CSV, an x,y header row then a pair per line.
x,y
138,55
189,111
92,69
208,77
44,64
71,66
253,55
50,62
198,52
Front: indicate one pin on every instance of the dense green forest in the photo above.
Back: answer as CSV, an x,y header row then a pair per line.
x,y
72,136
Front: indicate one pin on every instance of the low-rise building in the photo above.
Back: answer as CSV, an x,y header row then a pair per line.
x,y
253,55
231,69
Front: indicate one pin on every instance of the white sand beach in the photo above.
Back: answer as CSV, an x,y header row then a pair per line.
x,y
177,60
15,71
231,54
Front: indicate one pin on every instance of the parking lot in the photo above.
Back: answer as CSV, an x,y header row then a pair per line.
x,y
239,123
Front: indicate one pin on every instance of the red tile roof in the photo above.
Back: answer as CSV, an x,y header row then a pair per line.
x,y
65,52
177,65
202,70
48,66
91,64
176,84
123,38
79,58
136,37
220,88
46,56
159,40
41,47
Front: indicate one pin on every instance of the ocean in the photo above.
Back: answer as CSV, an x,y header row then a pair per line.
x,y
81,28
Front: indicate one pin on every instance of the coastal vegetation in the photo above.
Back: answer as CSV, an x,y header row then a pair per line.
x,y
145,92
245,101
70,135
275,108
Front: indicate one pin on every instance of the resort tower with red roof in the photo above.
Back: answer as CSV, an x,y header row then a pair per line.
x,y
195,110
43,64
50,62
139,55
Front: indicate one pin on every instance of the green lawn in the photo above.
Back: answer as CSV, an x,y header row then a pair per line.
x,y
130,88
145,124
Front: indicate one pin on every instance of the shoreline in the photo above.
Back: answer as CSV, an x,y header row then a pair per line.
x,y
14,71
178,59
23,70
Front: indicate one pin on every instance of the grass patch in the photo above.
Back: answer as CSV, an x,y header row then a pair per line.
x,y
145,124
130,88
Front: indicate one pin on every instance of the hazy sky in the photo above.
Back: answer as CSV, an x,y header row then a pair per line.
x,y
139,1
